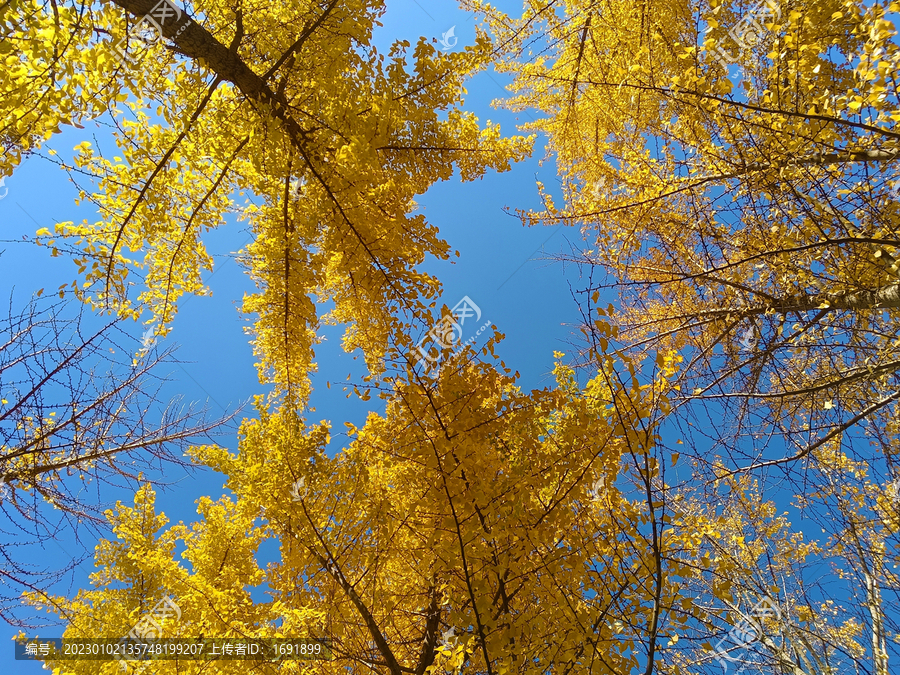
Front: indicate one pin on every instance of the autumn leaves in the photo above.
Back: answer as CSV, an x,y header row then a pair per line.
x,y
619,520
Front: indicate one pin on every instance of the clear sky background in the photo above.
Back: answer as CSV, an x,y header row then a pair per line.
x,y
501,268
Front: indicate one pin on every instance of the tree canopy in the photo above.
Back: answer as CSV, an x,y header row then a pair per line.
x,y
747,217
659,507
290,103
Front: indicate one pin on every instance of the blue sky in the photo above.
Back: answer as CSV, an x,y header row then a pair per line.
x,y
499,268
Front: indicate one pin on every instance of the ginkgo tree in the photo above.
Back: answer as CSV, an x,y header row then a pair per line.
x,y
287,104
733,169
791,601
77,412
470,527
473,527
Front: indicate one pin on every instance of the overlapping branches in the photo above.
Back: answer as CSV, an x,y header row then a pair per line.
x,y
78,411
